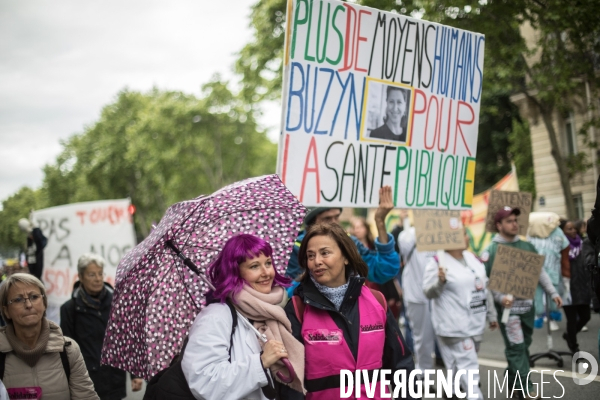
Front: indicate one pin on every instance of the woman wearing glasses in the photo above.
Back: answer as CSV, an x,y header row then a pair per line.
x,y
35,357
84,318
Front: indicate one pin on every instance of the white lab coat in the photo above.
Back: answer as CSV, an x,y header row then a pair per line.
x,y
205,361
458,309
412,274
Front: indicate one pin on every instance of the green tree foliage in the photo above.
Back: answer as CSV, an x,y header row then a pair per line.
x,y
520,150
17,206
159,148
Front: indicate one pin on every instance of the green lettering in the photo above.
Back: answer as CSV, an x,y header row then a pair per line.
x,y
306,56
297,22
341,38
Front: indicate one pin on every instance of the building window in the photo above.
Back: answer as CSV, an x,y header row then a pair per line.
x,y
570,134
578,200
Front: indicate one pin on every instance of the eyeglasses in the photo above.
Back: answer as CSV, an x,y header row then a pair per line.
x,y
92,276
33,299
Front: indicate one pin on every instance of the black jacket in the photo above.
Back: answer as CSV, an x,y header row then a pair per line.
x,y
87,327
396,355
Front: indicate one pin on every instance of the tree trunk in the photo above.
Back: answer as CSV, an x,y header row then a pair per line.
x,y
563,172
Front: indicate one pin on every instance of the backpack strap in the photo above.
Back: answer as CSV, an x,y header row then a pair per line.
x,y
233,325
64,358
380,299
298,307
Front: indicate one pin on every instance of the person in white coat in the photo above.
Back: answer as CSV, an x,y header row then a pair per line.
x,y
456,282
244,275
415,302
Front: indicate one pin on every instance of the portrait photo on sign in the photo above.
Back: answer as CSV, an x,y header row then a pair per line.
x,y
387,112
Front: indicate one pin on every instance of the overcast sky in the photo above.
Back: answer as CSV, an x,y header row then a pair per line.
x,y
62,60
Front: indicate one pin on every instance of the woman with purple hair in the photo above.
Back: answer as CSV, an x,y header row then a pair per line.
x,y
219,365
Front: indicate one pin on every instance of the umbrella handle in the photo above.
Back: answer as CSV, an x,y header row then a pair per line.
x,y
292,373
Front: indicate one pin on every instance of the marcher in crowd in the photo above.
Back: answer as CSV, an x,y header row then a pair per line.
x,y
518,331
578,293
36,241
457,285
332,298
415,302
84,318
219,366
383,262
391,289
550,241
36,354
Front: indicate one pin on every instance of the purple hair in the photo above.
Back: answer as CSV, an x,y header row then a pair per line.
x,y
224,272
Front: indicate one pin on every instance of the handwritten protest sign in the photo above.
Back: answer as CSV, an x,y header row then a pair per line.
x,y
515,272
102,227
438,230
499,199
372,98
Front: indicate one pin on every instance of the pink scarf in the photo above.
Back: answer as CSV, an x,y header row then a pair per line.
x,y
273,322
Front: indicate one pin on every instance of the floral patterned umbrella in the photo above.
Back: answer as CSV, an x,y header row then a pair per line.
x,y
157,296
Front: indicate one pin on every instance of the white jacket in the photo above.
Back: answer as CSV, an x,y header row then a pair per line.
x,y
412,274
459,306
206,364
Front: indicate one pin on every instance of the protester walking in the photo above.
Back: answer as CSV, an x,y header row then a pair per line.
x,y
333,307
457,283
33,350
84,318
219,363
415,302
518,331
36,241
577,291
549,240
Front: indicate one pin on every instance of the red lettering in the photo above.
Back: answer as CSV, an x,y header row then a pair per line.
x,y
459,122
415,111
440,148
360,39
437,122
349,45
312,149
285,158
81,215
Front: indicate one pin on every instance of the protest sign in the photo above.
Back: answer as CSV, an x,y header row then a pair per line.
x,y
373,98
102,227
499,199
438,230
515,272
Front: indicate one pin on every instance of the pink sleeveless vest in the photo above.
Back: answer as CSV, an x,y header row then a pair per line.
x,y
327,352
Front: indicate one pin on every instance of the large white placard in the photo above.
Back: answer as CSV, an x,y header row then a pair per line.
x,y
102,227
373,98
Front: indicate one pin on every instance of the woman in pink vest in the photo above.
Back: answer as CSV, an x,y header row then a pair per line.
x,y
342,323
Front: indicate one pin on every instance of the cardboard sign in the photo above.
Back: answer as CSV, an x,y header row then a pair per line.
x,y
373,98
438,230
102,227
499,199
516,272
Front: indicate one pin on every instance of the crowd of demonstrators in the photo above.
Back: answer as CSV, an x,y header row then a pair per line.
x,y
550,241
457,285
518,331
383,262
332,298
84,318
33,350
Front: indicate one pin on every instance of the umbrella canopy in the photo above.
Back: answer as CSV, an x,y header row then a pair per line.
x,y
157,297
